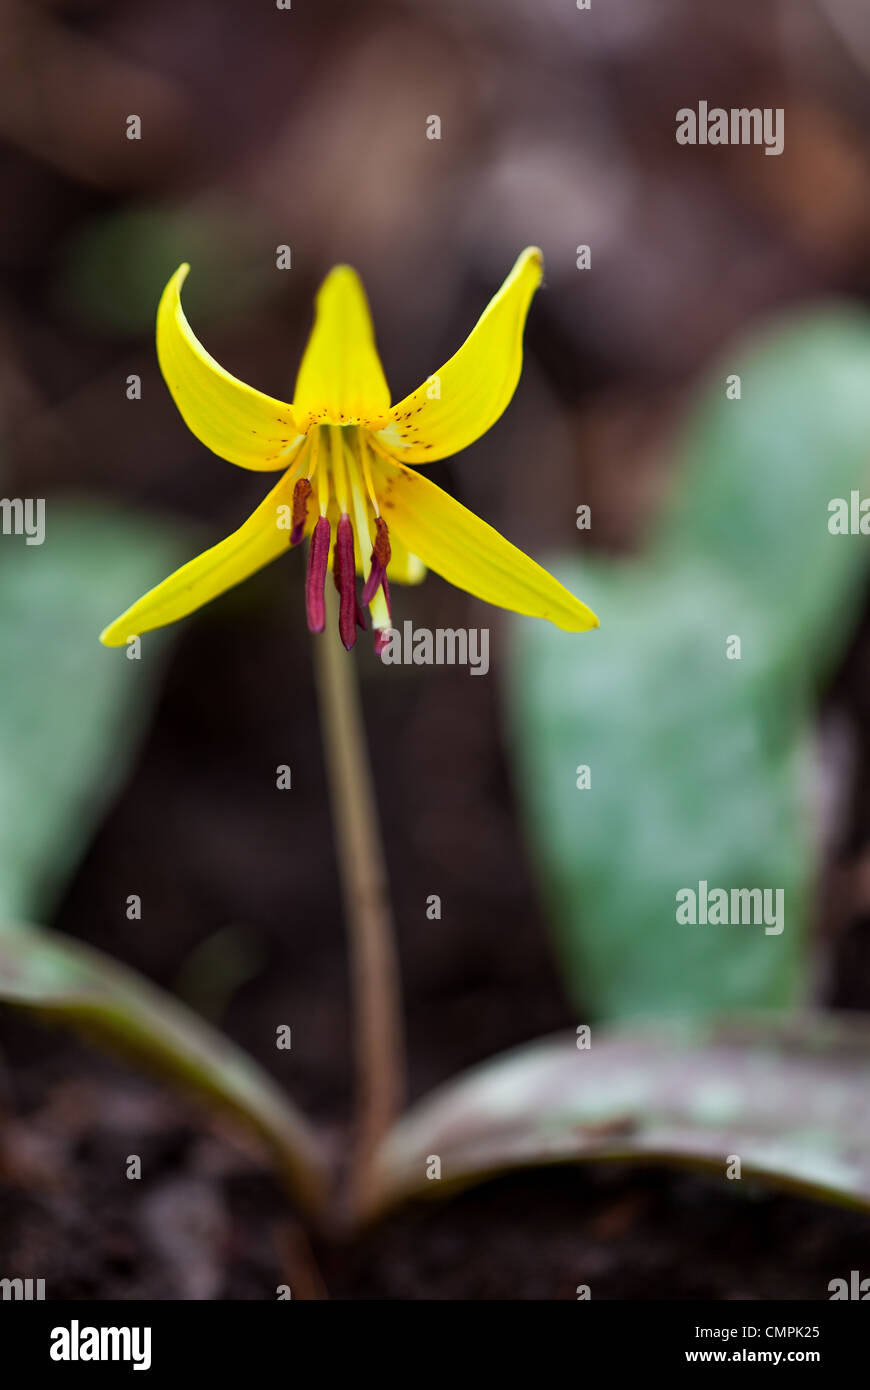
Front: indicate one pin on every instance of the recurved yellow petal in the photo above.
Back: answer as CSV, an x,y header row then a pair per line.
x,y
467,552
460,402
341,380
256,543
232,419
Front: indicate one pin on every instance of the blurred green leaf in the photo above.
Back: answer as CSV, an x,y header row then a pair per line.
x,y
755,477
696,774
72,984
216,969
117,267
789,1098
71,711
700,764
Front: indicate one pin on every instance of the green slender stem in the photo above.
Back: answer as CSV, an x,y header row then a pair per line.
x,y
379,1040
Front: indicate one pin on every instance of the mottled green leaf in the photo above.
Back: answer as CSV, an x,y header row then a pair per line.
x,y
789,1098
754,478
696,774
700,765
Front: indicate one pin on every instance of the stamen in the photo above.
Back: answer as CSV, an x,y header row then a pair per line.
x,y
320,469
339,472
382,452
367,473
380,559
315,578
380,639
301,494
344,574
362,534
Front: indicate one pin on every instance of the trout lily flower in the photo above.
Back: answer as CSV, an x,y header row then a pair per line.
x,y
349,462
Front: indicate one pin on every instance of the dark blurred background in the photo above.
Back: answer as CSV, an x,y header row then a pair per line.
x,y
263,127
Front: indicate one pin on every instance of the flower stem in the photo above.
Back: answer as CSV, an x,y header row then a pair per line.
x,y
378,1030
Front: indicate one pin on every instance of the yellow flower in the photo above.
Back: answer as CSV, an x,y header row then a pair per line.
x,y
344,452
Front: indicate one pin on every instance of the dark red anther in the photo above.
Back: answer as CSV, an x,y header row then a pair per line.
x,y
315,578
379,561
344,573
301,494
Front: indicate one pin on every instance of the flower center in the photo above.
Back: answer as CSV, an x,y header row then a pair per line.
x,y
350,533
